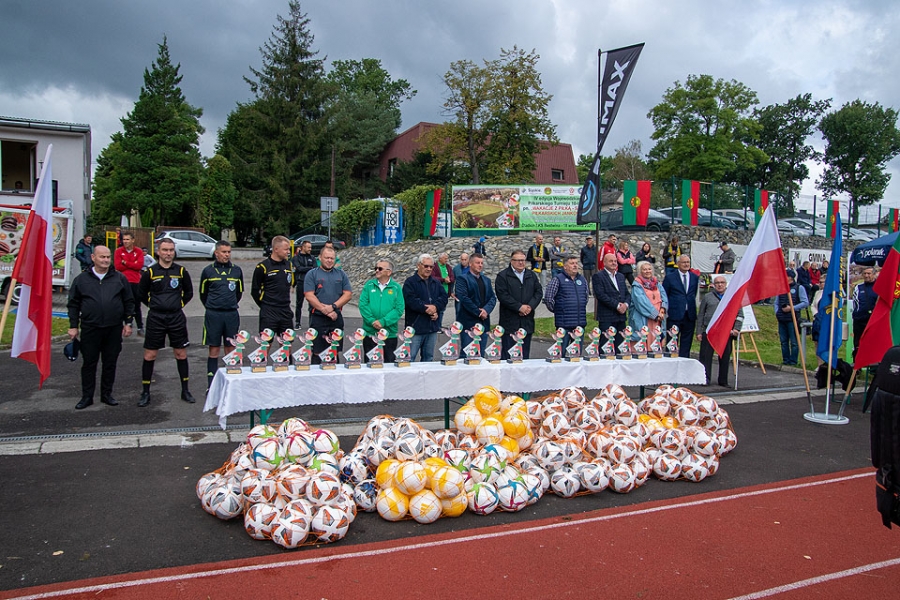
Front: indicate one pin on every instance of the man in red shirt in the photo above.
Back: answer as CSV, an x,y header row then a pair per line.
x,y
129,260
609,247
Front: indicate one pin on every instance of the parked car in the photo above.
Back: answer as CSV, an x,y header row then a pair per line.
x,y
703,218
188,243
612,220
317,240
789,227
738,216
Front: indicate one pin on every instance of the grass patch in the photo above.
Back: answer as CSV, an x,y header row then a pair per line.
x,y
60,327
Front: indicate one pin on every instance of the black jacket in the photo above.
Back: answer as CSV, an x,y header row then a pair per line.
x,y
221,286
302,264
608,297
418,292
166,290
272,283
511,295
100,303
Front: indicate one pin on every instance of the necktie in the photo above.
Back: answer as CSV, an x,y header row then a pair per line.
x,y
685,283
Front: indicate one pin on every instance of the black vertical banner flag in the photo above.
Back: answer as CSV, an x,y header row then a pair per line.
x,y
620,65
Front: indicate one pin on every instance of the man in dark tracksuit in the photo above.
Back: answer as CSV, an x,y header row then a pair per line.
x,y
864,300
166,289
221,288
303,262
273,279
102,303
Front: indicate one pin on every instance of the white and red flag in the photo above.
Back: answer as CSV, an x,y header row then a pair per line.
x,y
759,275
34,270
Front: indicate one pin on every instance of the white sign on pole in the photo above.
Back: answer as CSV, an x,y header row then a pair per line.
x,y
329,203
391,223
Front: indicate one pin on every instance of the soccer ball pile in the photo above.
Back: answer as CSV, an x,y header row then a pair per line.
x,y
287,484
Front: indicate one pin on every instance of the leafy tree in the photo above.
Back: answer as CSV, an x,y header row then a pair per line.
x,y
861,139
215,209
413,201
356,216
704,130
154,165
783,136
628,163
586,161
422,170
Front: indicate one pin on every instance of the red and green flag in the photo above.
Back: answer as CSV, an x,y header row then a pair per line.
x,y
635,202
895,219
831,220
690,202
760,204
432,206
883,330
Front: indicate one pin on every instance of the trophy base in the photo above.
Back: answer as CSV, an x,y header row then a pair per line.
x,y
232,371
553,360
624,357
402,363
592,359
514,361
301,367
449,362
472,361
257,369
495,361
351,365
375,365
611,357
656,355
640,356
329,366
573,359
279,368
670,354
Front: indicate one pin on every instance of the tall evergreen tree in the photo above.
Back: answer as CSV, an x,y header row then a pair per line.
x,y
215,209
154,165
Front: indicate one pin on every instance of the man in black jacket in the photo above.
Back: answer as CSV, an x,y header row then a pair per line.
x,y
519,293
166,289
273,279
302,262
612,297
221,288
102,304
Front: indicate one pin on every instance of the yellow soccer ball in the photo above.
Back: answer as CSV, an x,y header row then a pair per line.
x,y
489,431
511,446
410,477
467,418
516,423
425,507
432,464
392,504
487,400
453,507
384,475
448,482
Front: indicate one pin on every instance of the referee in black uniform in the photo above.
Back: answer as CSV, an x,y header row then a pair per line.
x,y
221,288
165,289
273,279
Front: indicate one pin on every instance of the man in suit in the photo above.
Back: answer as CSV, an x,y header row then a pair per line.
x,y
681,287
519,292
476,299
612,297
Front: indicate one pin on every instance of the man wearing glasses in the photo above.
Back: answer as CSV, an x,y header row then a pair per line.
x,y
704,316
518,292
381,306
425,300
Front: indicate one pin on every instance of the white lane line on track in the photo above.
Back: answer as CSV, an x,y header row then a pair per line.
x,y
781,589
425,545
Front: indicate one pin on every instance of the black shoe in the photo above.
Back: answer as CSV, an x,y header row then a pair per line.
x,y
145,399
109,400
724,384
186,396
84,403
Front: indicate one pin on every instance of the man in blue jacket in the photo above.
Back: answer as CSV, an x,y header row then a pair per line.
x,y
864,299
476,299
425,300
681,287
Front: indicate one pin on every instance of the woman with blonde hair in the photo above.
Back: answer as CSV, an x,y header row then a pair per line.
x,y
649,303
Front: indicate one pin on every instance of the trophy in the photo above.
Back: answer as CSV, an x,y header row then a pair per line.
x,y
609,348
672,345
655,345
450,350
234,359
473,349
494,350
573,350
515,353
402,353
591,352
354,356
375,356
625,346
303,356
640,346
329,355
282,355
259,356
555,351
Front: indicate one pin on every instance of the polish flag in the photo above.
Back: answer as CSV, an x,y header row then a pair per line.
x,y
759,275
34,270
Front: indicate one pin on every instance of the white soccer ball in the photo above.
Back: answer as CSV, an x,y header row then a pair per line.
x,y
483,498
543,477
622,478
534,489
565,482
354,467
410,477
379,450
379,426
392,504
626,413
260,433
446,439
467,418
223,501
289,533
291,481
259,520
622,450
291,426
658,407
489,431
409,447
207,482
326,441
484,468
267,453
707,407
298,447
572,450
329,524
405,426
365,493
323,488
551,455
706,443
671,441
555,425
694,468
588,419
534,410
727,441
604,406
425,507
513,496
553,404
325,463
592,476
687,415
667,467
447,482
598,443
459,459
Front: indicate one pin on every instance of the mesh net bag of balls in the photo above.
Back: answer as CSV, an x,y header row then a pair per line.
x,y
294,485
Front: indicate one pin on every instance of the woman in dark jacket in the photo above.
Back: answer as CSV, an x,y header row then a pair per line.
x,y
645,254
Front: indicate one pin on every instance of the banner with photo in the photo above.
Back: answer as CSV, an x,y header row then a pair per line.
x,y
516,208
705,254
813,255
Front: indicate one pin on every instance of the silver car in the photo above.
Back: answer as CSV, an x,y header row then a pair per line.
x,y
188,244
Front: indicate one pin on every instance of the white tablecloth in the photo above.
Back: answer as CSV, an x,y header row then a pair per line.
x,y
230,394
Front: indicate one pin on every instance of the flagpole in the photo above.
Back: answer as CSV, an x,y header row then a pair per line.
x,y
803,359
736,350
830,356
9,294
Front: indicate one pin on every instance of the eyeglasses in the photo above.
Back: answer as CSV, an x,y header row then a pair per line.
x,y
382,269
428,266
720,282
517,260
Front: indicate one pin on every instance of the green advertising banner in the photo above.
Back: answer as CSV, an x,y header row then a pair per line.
x,y
516,208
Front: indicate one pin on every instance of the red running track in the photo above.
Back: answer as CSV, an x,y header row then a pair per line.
x,y
817,537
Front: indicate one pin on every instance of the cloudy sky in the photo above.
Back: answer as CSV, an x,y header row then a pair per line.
x,y
83,61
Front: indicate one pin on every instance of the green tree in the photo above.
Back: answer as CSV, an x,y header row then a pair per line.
x,y
628,163
278,144
215,209
785,129
586,161
155,165
861,138
704,130
423,170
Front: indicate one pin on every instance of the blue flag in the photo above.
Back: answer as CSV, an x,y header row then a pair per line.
x,y
832,289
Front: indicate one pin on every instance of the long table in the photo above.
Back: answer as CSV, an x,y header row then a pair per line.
x,y
253,392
